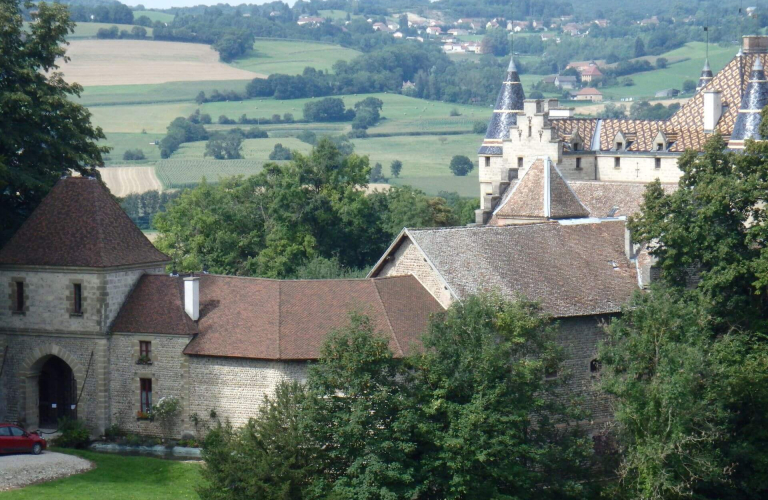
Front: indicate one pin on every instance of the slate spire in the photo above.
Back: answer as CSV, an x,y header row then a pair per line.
x,y
753,101
508,104
706,76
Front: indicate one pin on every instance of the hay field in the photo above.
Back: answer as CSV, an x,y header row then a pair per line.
x,y
291,57
123,181
131,62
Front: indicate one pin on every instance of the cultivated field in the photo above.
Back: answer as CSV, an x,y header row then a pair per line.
x,y
153,15
123,181
289,57
89,30
175,173
155,93
125,62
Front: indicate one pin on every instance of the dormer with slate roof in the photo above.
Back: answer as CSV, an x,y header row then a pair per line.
x,y
72,263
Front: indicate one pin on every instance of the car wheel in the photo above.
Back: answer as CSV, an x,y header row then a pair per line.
x,y
37,448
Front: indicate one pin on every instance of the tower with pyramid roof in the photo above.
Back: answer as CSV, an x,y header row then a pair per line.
x,y
509,104
753,101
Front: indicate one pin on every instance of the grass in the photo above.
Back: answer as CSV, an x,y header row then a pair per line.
x,y
402,113
89,30
154,15
690,59
119,478
121,142
175,173
253,149
155,93
291,57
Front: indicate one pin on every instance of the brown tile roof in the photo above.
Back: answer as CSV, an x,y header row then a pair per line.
x,y
571,269
541,193
589,91
279,320
601,197
79,224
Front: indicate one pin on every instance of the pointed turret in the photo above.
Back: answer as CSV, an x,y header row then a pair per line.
x,y
706,76
508,105
753,101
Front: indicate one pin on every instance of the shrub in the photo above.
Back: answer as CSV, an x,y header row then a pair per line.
x,y
395,168
165,412
307,136
455,112
377,174
133,155
280,153
480,127
73,434
223,120
114,432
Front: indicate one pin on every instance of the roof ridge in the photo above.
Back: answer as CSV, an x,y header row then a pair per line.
x,y
386,316
279,318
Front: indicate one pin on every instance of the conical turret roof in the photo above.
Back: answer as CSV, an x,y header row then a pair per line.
x,y
706,75
508,104
541,193
753,101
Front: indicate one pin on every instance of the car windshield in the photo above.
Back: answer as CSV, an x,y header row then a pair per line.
x,y
15,431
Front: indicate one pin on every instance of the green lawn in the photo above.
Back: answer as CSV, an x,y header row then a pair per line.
x,y
120,142
691,59
402,113
89,30
154,15
291,57
119,478
156,93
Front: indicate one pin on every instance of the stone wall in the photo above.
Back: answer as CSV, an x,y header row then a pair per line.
x,y
25,356
48,299
169,372
408,259
637,168
235,388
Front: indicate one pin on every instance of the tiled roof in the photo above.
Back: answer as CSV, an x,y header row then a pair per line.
x,y
571,269
591,71
541,193
79,224
278,320
589,91
616,199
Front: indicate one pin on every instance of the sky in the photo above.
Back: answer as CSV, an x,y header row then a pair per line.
x,y
165,4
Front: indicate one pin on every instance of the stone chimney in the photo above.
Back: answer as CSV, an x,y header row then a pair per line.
x,y
192,297
713,109
754,44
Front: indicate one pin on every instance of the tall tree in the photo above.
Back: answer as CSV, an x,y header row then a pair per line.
x,y
44,134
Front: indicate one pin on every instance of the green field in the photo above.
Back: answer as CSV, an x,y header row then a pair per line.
x,y
156,93
119,478
120,142
175,173
401,113
691,60
154,15
291,57
89,30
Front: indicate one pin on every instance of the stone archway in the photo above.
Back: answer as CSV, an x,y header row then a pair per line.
x,y
53,359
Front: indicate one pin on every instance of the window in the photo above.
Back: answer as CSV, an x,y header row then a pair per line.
x,y
78,298
530,131
595,366
5,431
576,146
619,145
487,161
578,163
145,349
19,296
659,146
146,395
657,163
617,162
16,432
519,162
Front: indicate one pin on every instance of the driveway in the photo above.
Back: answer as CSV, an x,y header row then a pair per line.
x,y
17,471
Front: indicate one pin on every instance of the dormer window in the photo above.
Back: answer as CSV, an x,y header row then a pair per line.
x,y
619,145
576,146
659,146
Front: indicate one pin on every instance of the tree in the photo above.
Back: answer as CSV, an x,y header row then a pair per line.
x,y
396,167
492,426
133,154
639,47
143,21
280,153
689,86
138,32
330,109
661,62
461,165
377,174
404,206
480,127
226,147
44,133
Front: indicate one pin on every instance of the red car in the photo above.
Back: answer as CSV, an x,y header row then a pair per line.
x,y
14,439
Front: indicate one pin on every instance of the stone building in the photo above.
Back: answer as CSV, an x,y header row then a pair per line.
x,y
92,328
611,150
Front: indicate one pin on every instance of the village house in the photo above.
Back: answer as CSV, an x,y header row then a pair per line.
x,y
591,74
588,94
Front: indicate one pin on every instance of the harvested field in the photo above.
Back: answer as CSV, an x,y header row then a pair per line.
x,y
130,180
132,62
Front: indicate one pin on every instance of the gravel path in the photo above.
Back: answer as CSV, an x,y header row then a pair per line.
x,y
17,471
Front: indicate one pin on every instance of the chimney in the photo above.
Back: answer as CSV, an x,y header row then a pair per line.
x,y
754,44
192,297
713,108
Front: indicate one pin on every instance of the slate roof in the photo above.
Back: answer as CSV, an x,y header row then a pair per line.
x,y
615,199
541,193
79,224
572,269
273,319
754,100
504,116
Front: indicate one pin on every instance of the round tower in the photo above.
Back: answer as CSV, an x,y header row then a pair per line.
x,y
753,101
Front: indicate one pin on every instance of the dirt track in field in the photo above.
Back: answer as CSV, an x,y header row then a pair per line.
x,y
133,62
130,180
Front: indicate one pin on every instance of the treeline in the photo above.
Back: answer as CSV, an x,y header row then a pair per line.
x,y
111,33
270,212
113,13
141,208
